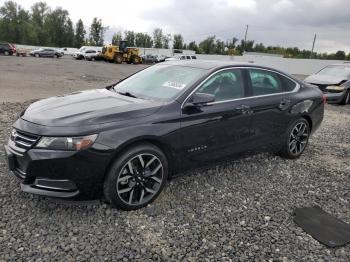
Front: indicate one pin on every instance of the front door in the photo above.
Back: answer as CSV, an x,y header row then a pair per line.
x,y
220,128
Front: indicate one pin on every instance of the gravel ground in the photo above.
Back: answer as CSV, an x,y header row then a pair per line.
x,y
240,210
26,78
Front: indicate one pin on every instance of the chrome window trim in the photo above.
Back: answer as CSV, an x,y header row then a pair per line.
x,y
296,89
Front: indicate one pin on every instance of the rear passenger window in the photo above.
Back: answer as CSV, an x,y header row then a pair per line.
x,y
182,58
193,57
265,82
288,85
188,57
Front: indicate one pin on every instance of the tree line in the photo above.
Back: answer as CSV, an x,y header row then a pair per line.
x,y
43,26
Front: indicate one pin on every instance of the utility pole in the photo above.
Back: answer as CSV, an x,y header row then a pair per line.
x,y
245,38
313,46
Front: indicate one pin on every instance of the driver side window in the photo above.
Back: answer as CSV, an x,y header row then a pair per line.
x,y
224,85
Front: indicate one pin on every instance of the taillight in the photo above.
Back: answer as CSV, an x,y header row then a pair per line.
x,y
324,99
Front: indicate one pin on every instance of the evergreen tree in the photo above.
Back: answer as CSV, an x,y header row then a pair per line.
x,y
178,41
158,38
80,32
96,32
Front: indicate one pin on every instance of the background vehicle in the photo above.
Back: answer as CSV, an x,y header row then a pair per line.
x,y
181,57
126,140
149,59
80,53
334,82
160,58
121,53
97,56
7,49
46,52
91,55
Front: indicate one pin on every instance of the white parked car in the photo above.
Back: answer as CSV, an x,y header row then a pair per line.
x,y
181,57
82,52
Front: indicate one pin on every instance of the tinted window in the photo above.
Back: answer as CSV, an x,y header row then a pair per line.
x,y
288,85
225,85
188,57
193,57
264,82
182,58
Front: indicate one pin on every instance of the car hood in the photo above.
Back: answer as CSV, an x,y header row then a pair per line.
x,y
85,108
324,80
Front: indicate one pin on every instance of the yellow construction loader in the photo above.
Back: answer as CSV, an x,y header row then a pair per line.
x,y
121,53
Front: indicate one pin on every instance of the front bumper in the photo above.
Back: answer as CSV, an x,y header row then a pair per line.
x,y
335,98
62,174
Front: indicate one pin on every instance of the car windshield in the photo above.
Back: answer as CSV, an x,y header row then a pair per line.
x,y
160,82
337,71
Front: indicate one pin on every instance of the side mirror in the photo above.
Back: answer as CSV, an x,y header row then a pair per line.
x,y
200,99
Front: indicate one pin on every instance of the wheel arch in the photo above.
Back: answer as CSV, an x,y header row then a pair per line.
x,y
309,120
168,152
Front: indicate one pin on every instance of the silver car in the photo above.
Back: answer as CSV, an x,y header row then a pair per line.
x,y
334,82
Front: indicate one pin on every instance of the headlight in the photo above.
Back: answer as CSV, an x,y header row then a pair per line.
x,y
335,88
66,143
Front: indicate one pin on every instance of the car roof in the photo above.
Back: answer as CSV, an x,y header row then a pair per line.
x,y
211,64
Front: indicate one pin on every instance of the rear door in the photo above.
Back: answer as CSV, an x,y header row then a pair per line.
x,y
220,128
269,102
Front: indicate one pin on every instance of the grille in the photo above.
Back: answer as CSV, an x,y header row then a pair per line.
x,y
23,140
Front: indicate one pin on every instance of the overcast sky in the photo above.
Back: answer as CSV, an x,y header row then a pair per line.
x,y
273,22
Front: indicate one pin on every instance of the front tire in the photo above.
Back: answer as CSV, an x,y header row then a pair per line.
x,y
137,177
37,55
295,139
346,99
118,58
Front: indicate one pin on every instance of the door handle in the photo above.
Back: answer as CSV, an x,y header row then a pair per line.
x,y
284,104
244,109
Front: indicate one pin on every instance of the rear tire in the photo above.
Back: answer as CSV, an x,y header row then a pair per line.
x,y
136,177
37,55
135,60
7,53
295,139
346,99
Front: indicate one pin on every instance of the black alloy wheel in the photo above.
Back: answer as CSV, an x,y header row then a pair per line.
x,y
136,178
297,139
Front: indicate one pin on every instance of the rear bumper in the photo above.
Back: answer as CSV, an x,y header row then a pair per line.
x,y
335,98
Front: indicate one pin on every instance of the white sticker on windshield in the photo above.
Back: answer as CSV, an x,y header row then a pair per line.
x,y
174,85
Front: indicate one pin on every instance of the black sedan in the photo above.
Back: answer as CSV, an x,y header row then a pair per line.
x,y
46,52
334,82
125,141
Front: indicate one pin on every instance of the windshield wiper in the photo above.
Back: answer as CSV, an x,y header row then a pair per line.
x,y
126,94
